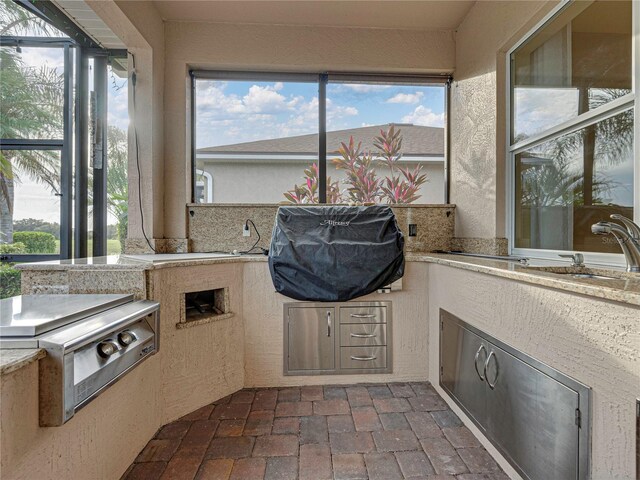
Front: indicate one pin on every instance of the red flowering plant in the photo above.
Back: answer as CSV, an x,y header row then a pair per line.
x,y
308,191
361,182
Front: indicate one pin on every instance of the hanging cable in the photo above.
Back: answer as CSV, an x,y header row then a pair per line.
x,y
137,150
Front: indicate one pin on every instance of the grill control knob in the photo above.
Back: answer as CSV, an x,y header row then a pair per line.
x,y
107,348
126,338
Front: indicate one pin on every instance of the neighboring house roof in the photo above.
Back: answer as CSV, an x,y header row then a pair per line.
x,y
416,140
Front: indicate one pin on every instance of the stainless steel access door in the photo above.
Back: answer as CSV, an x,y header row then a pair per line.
x,y
311,334
463,355
532,417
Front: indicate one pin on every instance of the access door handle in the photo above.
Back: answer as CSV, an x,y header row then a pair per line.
x,y
492,354
363,335
328,323
363,359
475,362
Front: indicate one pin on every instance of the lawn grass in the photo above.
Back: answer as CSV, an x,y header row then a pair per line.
x,y
113,247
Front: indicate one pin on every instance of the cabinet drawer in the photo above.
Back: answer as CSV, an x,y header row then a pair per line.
x,y
363,314
363,357
363,334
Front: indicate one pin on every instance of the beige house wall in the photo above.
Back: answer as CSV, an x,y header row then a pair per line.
x,y
246,182
478,121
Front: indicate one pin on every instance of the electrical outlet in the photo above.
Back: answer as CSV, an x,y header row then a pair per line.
x,y
413,229
245,230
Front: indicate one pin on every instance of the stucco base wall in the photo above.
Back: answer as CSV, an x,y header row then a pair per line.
x,y
595,342
263,319
88,446
204,362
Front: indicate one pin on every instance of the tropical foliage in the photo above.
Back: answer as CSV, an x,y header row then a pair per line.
x,y
31,104
361,184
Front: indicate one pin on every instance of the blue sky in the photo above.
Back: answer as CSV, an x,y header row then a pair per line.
x,y
239,111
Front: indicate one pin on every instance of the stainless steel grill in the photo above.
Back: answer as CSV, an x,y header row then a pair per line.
x,y
91,342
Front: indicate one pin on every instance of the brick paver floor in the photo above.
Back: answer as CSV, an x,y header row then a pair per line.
x,y
383,431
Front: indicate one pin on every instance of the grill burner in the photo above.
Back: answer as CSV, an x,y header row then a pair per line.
x,y
91,341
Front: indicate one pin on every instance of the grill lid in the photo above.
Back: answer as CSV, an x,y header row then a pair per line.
x,y
31,315
335,253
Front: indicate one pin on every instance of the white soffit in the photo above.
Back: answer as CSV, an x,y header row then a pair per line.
x,y
396,14
83,16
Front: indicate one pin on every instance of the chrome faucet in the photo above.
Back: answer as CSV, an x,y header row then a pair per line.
x,y
628,238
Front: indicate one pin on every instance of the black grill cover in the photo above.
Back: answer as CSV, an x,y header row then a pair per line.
x,y
335,253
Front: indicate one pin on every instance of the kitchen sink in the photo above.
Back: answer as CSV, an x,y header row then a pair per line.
x,y
581,272
591,275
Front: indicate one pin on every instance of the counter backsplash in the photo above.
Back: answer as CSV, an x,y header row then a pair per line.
x,y
219,227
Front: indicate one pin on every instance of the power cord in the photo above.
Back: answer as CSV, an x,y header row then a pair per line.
x,y
253,247
137,149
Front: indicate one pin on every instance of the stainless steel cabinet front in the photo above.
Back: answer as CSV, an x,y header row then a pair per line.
x,y
532,417
363,314
536,417
358,335
363,357
463,355
311,338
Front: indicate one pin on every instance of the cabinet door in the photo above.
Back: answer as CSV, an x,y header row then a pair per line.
x,y
311,338
532,417
460,352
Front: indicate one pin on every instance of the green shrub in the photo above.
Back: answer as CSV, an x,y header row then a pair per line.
x,y
13,248
36,242
9,280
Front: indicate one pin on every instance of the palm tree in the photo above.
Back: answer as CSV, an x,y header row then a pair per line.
x,y
117,184
31,104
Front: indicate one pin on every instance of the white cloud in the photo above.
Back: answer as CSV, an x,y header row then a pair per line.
x,y
543,108
424,116
364,88
406,98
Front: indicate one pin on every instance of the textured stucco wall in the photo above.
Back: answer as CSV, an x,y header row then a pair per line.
x,y
98,443
263,320
477,111
595,342
275,48
205,362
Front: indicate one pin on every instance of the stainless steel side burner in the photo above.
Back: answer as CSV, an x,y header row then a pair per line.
x,y
91,342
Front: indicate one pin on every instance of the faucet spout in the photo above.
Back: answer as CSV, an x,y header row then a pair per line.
x,y
630,246
632,228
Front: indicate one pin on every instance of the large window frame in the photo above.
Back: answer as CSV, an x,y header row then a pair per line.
x,y
79,131
591,117
322,79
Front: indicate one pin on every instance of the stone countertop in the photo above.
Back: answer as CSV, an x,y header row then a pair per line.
x,y
15,358
625,288
140,262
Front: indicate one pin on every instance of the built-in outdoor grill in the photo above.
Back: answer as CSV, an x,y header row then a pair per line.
x,y
91,341
335,253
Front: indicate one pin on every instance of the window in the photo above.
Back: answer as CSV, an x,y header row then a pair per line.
x,y
63,120
571,148
259,138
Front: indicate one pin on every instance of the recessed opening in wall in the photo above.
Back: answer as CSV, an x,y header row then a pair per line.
x,y
204,306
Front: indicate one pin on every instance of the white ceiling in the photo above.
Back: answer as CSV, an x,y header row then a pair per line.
x,y
398,14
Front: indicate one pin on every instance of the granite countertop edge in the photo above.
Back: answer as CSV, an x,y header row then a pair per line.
x,y
501,268
13,359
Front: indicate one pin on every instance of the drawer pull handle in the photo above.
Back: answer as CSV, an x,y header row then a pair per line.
x,y
363,335
362,315
363,359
